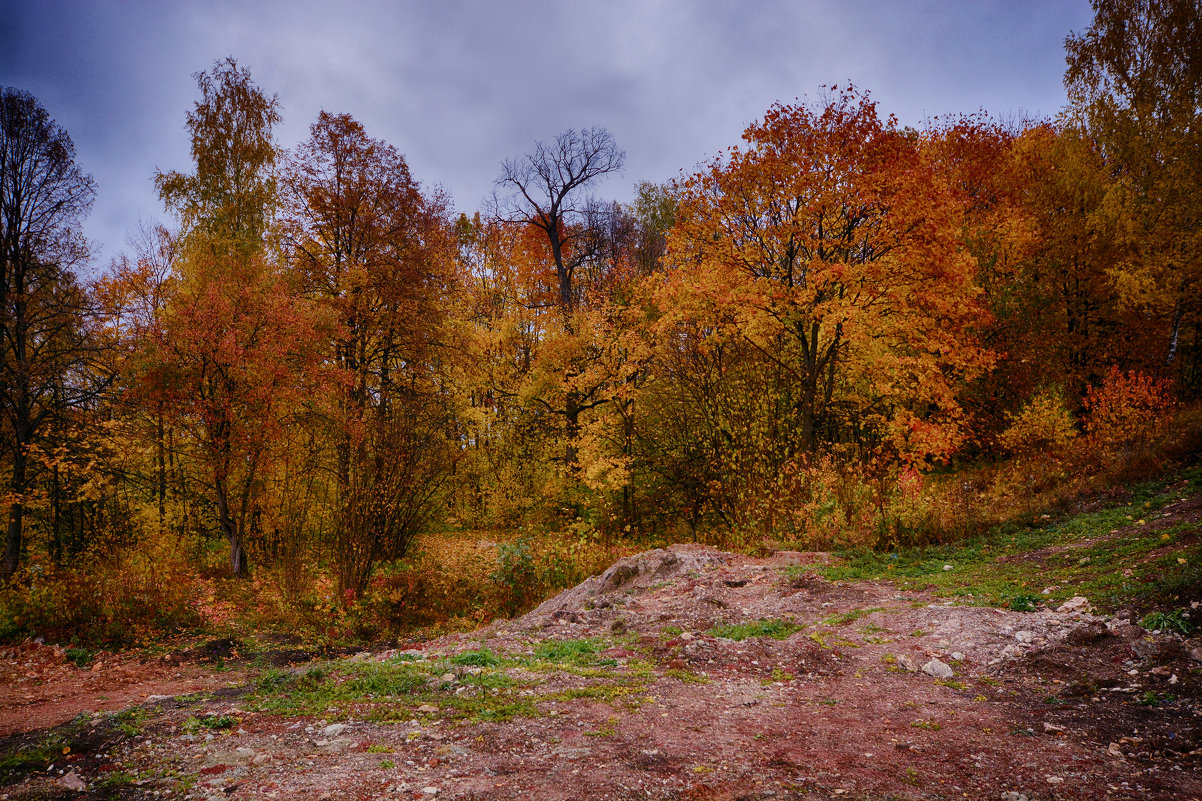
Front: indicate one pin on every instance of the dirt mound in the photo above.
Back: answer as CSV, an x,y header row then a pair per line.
x,y
628,576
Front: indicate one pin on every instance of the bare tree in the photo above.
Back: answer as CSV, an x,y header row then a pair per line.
x,y
43,198
544,189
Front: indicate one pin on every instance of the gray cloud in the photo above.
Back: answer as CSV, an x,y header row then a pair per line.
x,y
458,85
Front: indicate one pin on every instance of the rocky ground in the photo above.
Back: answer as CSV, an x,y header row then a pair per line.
x,y
682,674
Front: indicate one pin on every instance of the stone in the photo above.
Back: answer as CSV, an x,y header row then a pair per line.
x,y
906,663
427,709
938,669
947,567
1052,728
1195,653
1128,632
334,729
72,782
1011,795
1024,636
336,746
238,756
957,656
1078,604
1087,633
1115,751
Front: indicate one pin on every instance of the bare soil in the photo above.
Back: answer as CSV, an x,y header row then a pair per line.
x,y
1046,705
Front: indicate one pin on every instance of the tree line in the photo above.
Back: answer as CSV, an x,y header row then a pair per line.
x,y
320,359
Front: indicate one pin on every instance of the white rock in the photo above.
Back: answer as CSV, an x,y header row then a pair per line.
x,y
1076,605
938,669
957,656
1024,636
334,729
431,790
947,567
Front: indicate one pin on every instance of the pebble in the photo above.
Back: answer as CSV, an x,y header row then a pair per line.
x,y
1013,796
72,782
938,669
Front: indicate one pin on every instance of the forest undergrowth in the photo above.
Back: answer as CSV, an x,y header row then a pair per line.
x,y
167,591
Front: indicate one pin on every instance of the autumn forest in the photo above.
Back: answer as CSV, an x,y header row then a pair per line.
x,y
321,398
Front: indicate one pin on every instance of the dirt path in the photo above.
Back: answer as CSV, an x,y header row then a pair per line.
x,y
629,687
42,689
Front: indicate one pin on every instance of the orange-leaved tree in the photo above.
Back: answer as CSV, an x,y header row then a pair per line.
x,y
828,248
371,251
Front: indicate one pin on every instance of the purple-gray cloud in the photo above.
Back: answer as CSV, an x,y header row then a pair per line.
x,y
459,85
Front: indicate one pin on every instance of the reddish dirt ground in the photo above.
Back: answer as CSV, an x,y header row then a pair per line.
x,y
1043,705
43,689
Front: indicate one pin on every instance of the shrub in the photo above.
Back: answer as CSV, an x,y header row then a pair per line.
x,y
1043,423
1127,408
130,597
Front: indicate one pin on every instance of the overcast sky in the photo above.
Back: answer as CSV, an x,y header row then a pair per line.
x,y
459,85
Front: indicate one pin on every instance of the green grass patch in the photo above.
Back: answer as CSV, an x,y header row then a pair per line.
x,y
687,676
210,722
584,652
22,761
480,658
776,629
851,616
1010,565
1167,621
129,721
80,657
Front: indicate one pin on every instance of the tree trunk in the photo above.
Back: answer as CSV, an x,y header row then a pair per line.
x,y
16,513
1178,314
229,527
